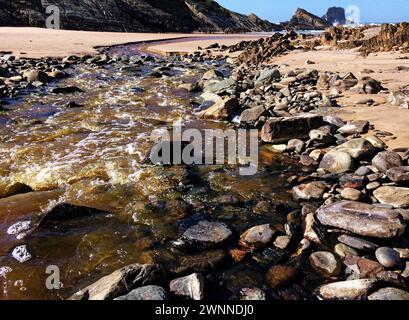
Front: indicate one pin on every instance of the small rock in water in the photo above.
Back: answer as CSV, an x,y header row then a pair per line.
x,y
252,294
154,293
19,227
280,275
190,286
325,263
21,254
347,290
391,294
388,257
66,90
206,234
257,236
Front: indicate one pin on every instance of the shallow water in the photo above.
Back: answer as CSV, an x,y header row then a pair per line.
x,y
93,157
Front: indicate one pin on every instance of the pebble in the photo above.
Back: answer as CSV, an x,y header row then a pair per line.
x,y
351,194
310,191
282,242
388,257
347,290
252,294
373,185
19,227
342,251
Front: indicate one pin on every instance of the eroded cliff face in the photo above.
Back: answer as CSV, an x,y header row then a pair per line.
x,y
133,15
304,20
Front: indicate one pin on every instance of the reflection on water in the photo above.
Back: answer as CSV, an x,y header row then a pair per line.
x,y
93,156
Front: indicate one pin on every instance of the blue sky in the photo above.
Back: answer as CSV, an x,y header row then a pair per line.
x,y
282,10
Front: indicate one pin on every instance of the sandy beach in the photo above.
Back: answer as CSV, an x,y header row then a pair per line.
x,y
38,42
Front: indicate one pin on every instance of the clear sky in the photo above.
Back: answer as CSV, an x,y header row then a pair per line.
x,y
282,10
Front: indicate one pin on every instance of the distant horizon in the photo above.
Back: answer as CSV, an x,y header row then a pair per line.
x,y
392,11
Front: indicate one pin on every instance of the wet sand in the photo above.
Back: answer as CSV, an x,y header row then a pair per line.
x,y
38,42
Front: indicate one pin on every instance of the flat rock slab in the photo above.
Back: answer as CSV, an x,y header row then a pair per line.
x,y
362,219
394,196
281,130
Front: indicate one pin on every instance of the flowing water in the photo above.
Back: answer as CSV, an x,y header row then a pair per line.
x,y
94,157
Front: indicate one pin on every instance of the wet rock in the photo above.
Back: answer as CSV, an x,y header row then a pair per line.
x,y
281,130
250,116
391,294
296,145
354,127
56,74
66,90
36,75
204,262
223,109
347,290
386,160
280,275
19,227
352,194
120,282
258,236
252,294
226,200
153,293
342,251
399,175
395,196
362,219
388,257
21,254
191,286
267,76
358,243
282,242
212,75
226,85
325,263
73,104
337,162
310,191
205,234
357,148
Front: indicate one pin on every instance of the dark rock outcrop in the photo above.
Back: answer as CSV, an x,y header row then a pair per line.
x,y
335,15
303,20
133,16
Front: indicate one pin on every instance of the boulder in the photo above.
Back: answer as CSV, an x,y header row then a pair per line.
x,y
337,162
223,109
191,286
310,191
357,148
362,219
281,130
250,116
367,85
386,160
36,75
395,196
351,194
347,290
220,86
120,282
267,76
354,127
388,257
399,175
212,75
